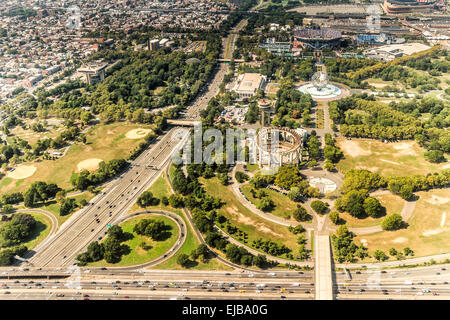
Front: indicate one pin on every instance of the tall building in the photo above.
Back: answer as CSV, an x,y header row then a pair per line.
x,y
153,44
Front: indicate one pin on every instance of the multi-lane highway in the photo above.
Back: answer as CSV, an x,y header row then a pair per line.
x,y
91,223
418,283
164,285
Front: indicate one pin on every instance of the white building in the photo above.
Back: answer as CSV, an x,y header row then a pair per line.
x,y
248,84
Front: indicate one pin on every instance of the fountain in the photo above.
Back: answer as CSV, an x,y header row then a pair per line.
x,y
320,88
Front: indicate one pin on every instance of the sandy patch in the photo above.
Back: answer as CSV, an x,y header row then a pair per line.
x,y
391,162
22,172
438,200
110,132
400,240
89,164
378,85
446,166
444,216
353,149
432,232
137,133
250,222
405,148
364,242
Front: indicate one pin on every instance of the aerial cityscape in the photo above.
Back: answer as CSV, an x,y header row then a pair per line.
x,y
224,150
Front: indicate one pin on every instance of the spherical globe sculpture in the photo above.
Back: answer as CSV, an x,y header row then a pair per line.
x,y
320,88
319,80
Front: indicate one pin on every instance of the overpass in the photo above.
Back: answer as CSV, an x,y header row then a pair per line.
x,y
183,122
323,272
229,60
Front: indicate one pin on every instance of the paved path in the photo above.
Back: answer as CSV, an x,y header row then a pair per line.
x,y
410,261
323,274
235,187
406,213
200,238
269,257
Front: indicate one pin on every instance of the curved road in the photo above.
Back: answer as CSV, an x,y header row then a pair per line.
x,y
178,244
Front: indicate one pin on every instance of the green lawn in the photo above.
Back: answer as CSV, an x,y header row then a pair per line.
x,y
320,118
241,217
104,142
283,205
252,167
392,203
159,189
53,207
40,231
139,255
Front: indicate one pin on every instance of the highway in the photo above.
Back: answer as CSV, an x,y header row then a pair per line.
x,y
90,223
110,206
417,283
177,286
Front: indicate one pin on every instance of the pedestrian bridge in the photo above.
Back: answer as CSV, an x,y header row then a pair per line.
x,y
229,60
184,122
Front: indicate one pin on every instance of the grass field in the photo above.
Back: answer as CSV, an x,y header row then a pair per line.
x,y
387,159
40,232
252,167
392,203
428,230
54,128
153,250
159,189
53,207
105,142
283,205
320,118
241,217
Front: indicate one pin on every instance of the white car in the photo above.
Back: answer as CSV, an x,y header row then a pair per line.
x,y
420,293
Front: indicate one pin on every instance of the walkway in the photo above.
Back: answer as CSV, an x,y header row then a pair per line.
x,y
235,187
323,270
417,260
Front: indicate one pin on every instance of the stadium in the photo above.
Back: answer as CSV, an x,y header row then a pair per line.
x,y
318,39
279,146
408,6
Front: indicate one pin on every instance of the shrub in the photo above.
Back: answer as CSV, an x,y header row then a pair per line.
x,y
392,222
319,206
